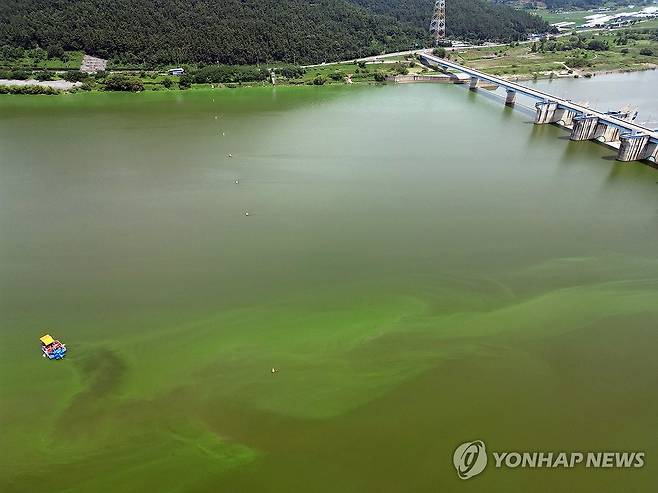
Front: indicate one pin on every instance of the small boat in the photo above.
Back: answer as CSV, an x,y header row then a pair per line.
x,y
52,349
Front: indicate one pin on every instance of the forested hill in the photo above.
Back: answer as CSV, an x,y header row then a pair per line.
x,y
245,31
226,31
466,19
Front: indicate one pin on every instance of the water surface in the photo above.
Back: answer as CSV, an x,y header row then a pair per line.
x,y
423,265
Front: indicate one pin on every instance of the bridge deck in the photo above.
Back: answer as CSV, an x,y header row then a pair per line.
x,y
542,96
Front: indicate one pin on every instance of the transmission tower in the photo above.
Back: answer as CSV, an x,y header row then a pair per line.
x,y
438,24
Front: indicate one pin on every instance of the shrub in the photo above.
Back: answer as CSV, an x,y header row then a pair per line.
x,y
576,62
55,51
44,75
185,81
361,64
646,51
380,76
223,74
401,69
167,82
336,76
122,82
21,74
74,76
28,90
597,45
319,80
290,71
439,51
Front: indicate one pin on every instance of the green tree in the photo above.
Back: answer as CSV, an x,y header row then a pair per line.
x,y
74,76
123,82
439,51
167,82
597,45
185,81
55,51
21,74
290,71
337,75
232,31
400,69
44,75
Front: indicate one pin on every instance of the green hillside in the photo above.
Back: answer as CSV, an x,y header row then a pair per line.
x,y
155,32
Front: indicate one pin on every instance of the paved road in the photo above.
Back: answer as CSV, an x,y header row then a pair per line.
x,y
376,58
382,58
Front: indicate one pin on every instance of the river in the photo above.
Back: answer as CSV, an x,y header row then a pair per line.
x,y
422,265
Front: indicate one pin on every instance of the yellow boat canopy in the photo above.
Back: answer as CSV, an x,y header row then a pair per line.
x,y
47,339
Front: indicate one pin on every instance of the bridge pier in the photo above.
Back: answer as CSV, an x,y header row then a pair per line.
x,y
637,142
588,127
585,127
609,133
550,112
652,152
564,117
545,112
635,147
510,99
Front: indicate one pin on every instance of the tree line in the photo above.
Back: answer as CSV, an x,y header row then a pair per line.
x,y
146,32
243,32
471,20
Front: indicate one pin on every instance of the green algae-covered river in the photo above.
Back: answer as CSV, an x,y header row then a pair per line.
x,y
423,266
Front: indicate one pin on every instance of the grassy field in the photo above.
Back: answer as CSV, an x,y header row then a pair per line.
x,y
577,16
337,73
522,61
32,59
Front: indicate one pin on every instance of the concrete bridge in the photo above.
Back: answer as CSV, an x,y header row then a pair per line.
x,y
615,128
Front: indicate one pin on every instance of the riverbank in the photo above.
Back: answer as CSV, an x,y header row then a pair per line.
x,y
220,77
572,56
576,55
58,85
576,75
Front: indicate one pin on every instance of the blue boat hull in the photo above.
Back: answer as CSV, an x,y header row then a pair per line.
x,y
58,353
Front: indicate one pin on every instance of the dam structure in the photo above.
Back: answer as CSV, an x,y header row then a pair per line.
x,y
616,129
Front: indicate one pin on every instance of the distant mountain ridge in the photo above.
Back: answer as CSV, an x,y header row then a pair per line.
x,y
246,31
